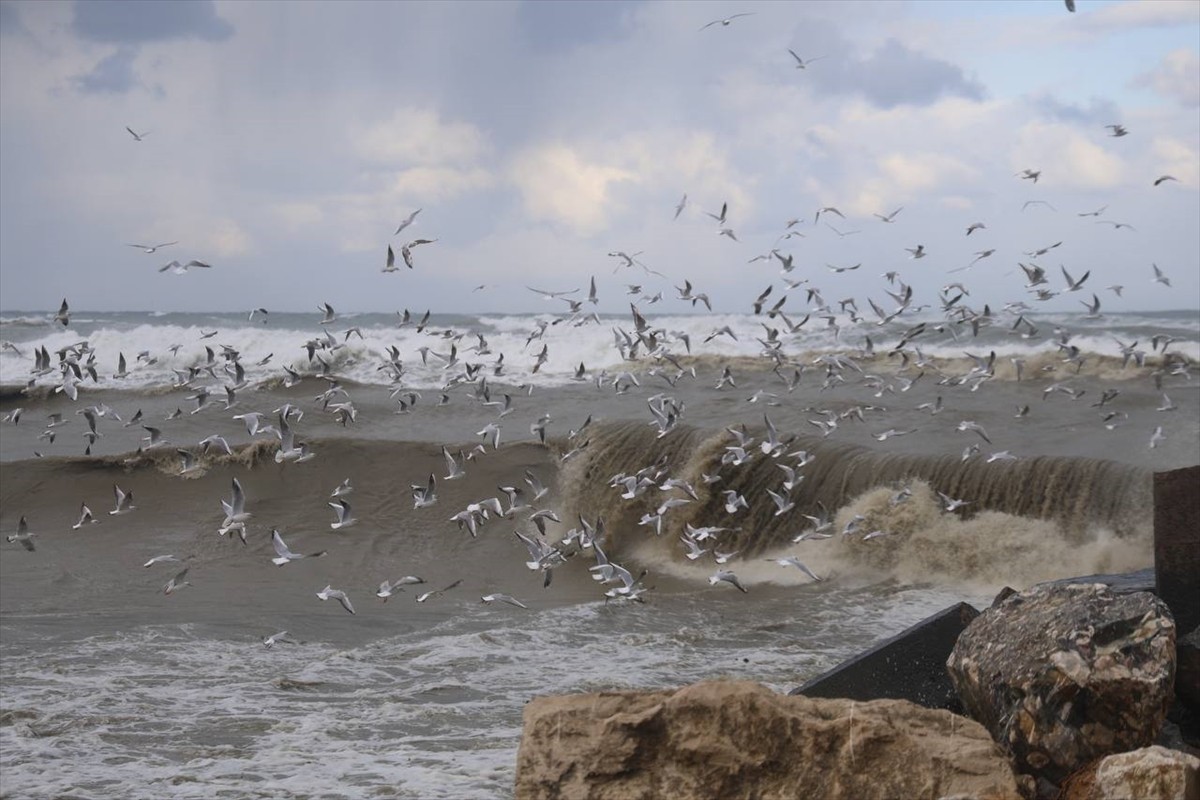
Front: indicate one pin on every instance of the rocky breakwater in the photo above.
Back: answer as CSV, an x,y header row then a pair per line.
x,y
1062,675
728,740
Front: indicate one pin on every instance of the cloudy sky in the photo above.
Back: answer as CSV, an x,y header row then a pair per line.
x,y
287,140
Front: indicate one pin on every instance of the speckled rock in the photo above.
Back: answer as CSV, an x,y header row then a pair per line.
x,y
1152,773
726,740
1063,675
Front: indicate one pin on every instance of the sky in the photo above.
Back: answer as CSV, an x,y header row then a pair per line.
x,y
284,142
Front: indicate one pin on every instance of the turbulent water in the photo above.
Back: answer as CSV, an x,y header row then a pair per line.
x,y
111,688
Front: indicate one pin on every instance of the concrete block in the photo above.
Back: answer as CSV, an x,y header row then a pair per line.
x,y
909,666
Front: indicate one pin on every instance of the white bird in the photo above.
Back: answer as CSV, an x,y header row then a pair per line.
x,y
25,536
181,269
344,518
726,576
502,598
344,489
424,496
277,638
137,137
792,561
951,504
725,22
235,509
85,516
330,593
151,248
453,468
802,64
1159,277
404,223
284,554
160,560
176,583
421,598
124,501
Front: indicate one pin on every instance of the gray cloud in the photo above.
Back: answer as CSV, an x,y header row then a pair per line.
x,y
114,73
136,22
1098,111
894,75
554,27
10,20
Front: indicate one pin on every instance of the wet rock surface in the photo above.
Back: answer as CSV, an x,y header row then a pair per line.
x,y
1062,675
733,740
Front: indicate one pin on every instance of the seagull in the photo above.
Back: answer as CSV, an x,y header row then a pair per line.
x,y
85,516
680,206
406,222
916,252
1159,277
336,594
344,489
725,22
951,504
968,425
177,583
421,598
344,518
25,537
792,561
160,560
388,588
151,248
1154,441
890,217
727,576
235,509
424,496
284,554
181,269
63,315
802,64
454,468
502,598
137,137
277,638
1117,130
1163,179
124,501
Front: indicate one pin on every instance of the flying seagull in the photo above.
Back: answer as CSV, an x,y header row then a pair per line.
x,y
151,248
725,22
801,63
404,223
137,137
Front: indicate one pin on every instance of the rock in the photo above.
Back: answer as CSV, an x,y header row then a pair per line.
x,y
1141,580
1152,773
727,740
1187,671
1064,674
909,666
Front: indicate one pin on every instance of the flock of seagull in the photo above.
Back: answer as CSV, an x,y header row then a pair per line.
x,y
653,354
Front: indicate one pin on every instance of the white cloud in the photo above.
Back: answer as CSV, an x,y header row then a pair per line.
x,y
1066,158
1177,158
559,185
1177,76
418,136
1141,14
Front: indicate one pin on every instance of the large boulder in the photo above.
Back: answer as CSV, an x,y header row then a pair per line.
x,y
1065,674
1151,773
731,740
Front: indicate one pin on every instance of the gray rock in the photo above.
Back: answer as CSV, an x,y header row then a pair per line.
x,y
1065,674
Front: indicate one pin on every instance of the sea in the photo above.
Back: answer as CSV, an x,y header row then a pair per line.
x,y
1048,430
